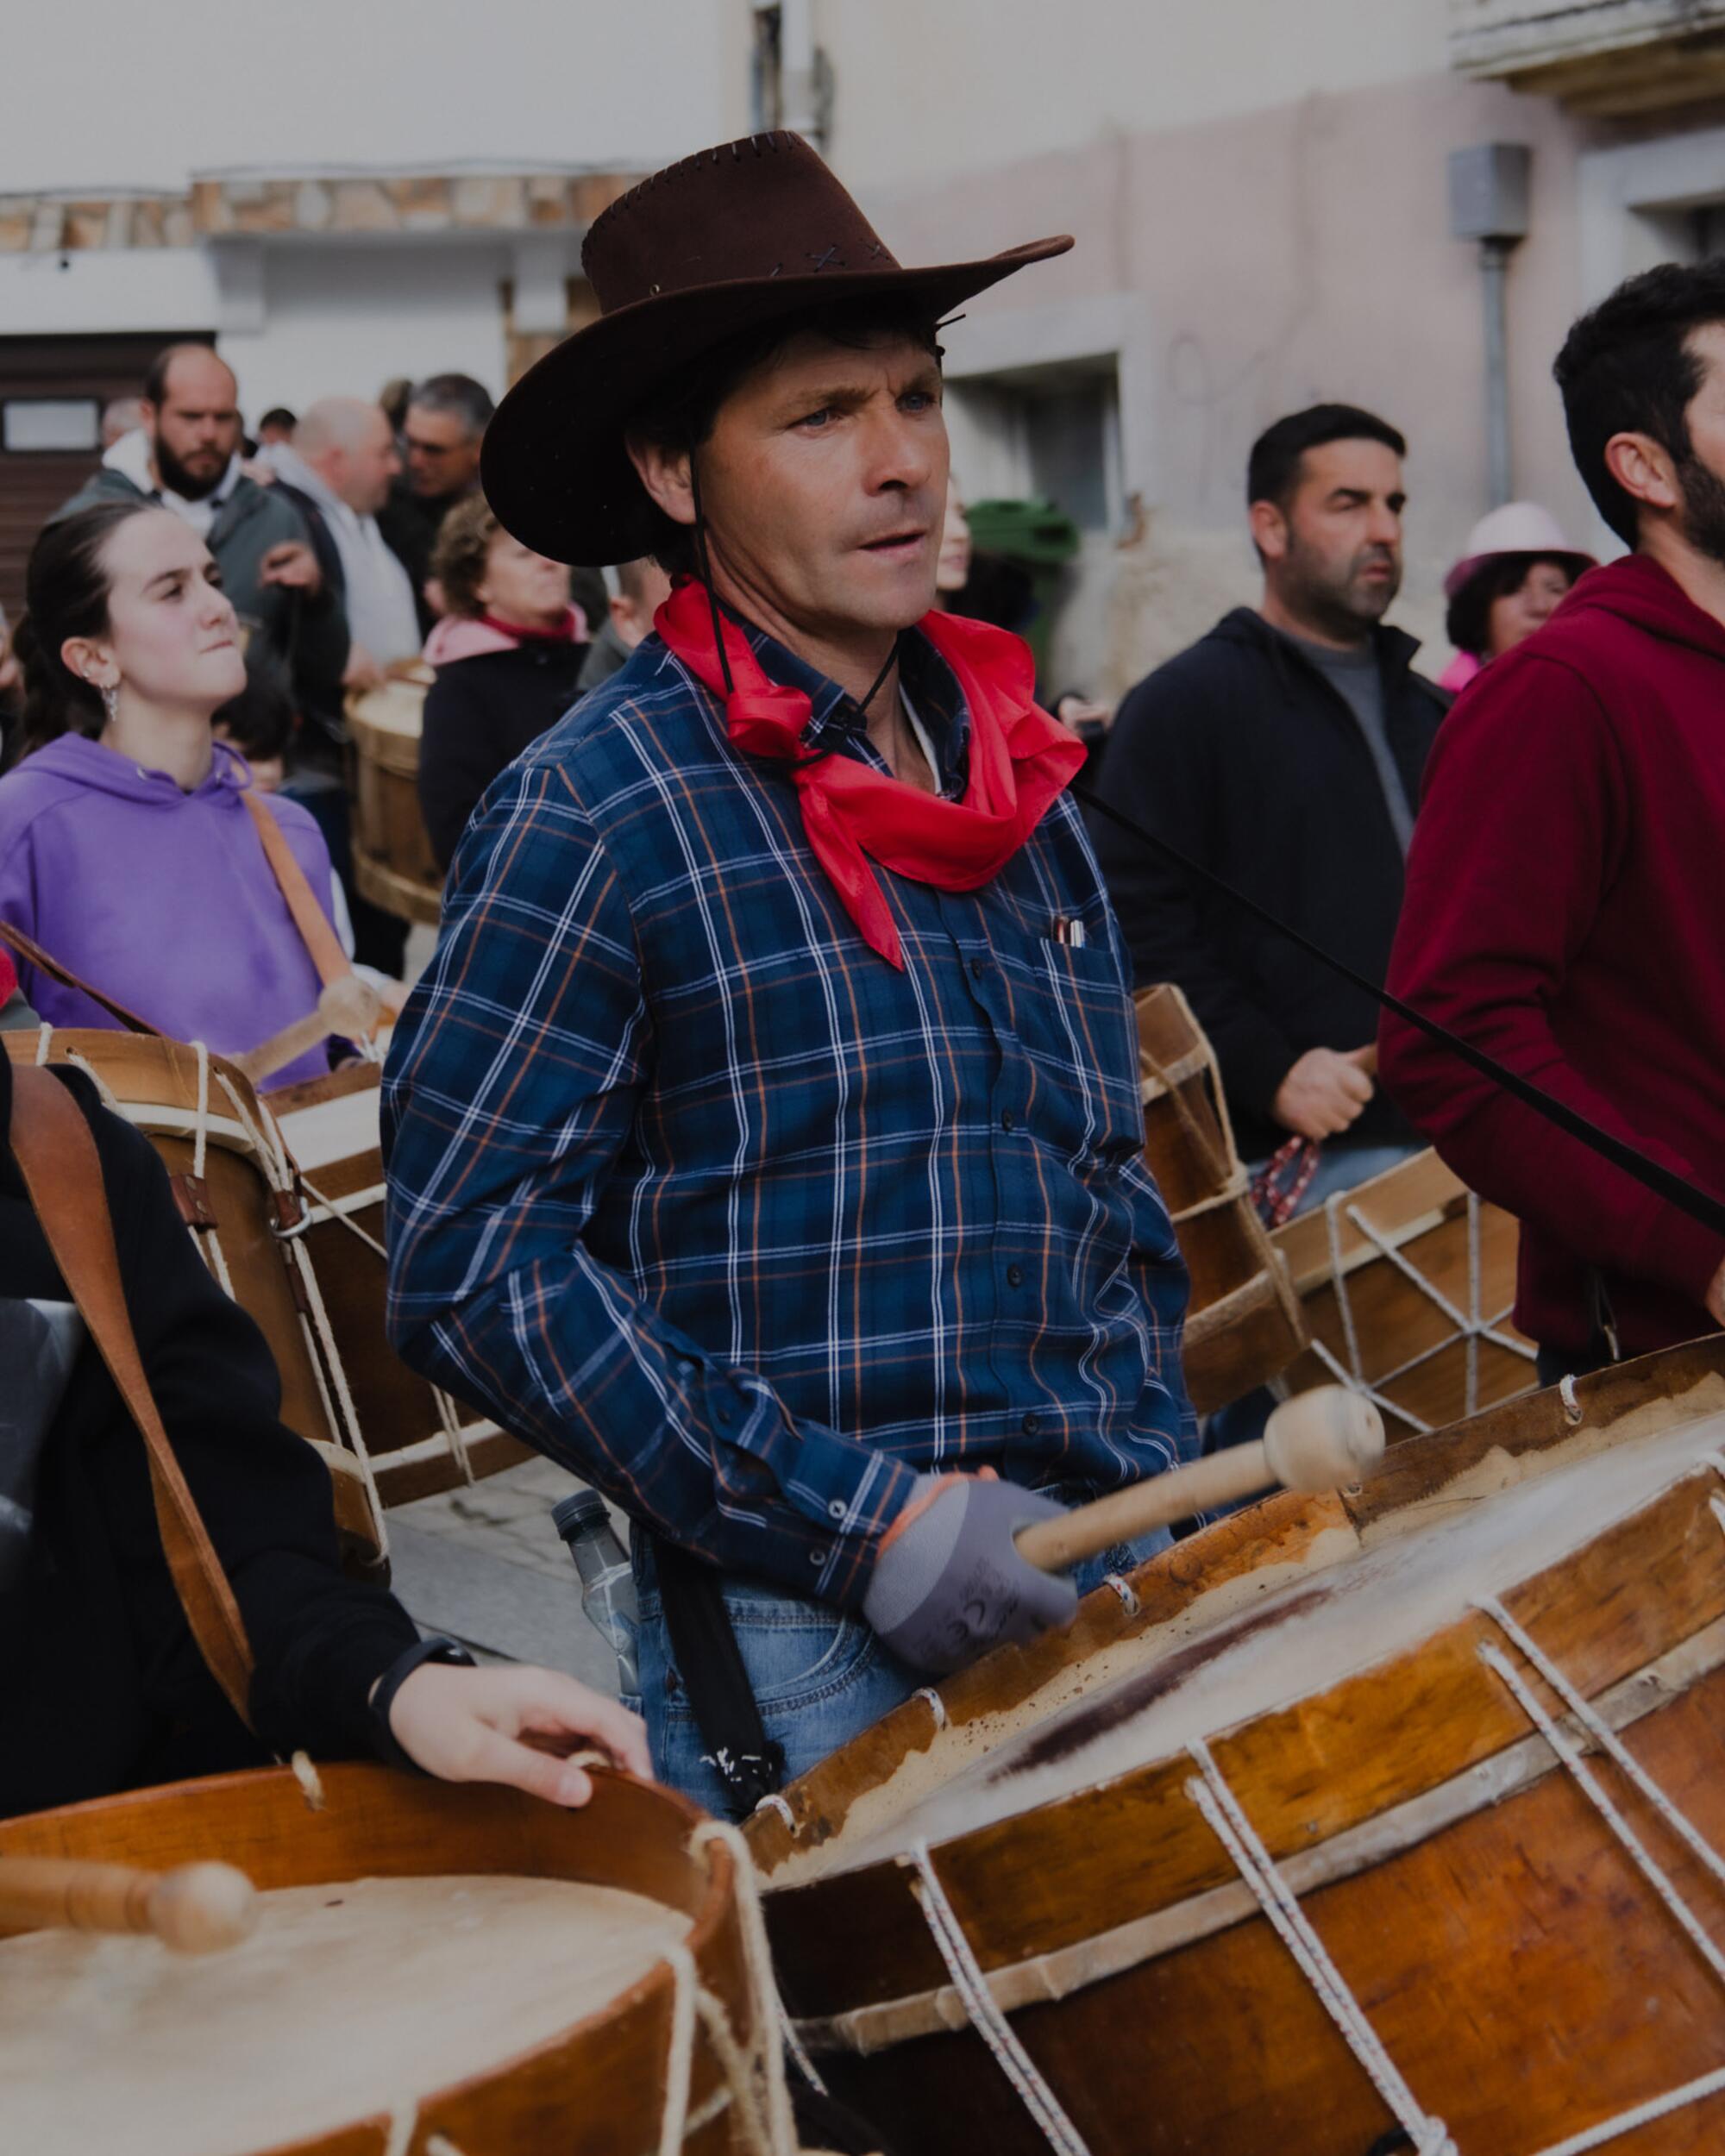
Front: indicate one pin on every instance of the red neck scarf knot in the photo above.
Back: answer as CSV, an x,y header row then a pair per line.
x,y
853,815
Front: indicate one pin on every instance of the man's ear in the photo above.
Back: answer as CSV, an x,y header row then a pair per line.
x,y
1268,530
1645,469
665,474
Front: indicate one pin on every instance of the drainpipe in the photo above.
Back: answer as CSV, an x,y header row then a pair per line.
x,y
1487,187
805,73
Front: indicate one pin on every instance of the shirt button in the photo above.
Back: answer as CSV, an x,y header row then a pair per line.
x,y
836,1509
1015,1276
977,970
1030,1424
817,1556
1009,1120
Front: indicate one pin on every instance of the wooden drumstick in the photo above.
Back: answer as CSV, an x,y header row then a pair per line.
x,y
1317,1440
198,1909
349,1006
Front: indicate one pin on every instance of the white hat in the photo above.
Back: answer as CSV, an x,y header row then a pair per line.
x,y
1516,527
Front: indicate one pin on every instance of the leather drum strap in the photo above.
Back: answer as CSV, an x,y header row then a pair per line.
x,y
62,1171
31,952
321,940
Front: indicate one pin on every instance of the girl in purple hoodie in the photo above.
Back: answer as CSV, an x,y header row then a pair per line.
x,y
125,847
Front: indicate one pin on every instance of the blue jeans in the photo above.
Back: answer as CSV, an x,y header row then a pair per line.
x,y
819,1676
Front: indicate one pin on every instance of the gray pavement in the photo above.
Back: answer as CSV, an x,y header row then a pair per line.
x,y
485,1564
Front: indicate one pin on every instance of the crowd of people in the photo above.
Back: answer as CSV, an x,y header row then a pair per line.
x,y
763,1137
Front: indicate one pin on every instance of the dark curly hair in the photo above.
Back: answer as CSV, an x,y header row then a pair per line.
x,y
1468,623
459,558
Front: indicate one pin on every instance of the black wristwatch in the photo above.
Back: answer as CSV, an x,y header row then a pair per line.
x,y
435,1649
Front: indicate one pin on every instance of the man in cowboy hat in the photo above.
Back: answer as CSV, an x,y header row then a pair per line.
x,y
764,1141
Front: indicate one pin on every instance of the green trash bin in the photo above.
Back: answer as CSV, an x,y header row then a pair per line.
x,y
1037,538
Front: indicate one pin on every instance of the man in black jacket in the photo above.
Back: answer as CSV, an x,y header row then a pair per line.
x,y
1283,751
102,1686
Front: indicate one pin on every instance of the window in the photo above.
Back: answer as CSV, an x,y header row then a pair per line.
x,y
57,424
1052,431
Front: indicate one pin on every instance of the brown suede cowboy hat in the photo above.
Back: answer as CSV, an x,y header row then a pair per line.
x,y
727,240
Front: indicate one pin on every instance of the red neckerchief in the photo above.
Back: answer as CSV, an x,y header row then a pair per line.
x,y
564,633
9,977
1020,760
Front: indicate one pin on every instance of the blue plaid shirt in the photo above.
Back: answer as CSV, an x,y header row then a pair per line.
x,y
698,1195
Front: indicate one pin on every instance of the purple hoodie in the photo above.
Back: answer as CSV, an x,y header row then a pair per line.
x,y
162,900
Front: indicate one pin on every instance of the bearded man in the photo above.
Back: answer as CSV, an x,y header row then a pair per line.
x,y
763,1141
185,453
1283,752
1563,894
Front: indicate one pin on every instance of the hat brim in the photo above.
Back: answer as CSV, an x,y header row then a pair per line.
x,y
1466,569
554,466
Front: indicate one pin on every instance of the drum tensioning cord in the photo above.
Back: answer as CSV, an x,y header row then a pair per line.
x,y
1652,1175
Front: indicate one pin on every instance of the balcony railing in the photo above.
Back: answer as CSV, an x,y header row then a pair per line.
x,y
1603,56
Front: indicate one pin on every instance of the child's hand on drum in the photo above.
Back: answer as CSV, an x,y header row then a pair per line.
x,y
516,1726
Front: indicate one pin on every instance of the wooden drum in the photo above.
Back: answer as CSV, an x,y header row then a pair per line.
x,y
1387,1821
420,1440
393,864
436,1969
1244,1324
234,1190
1407,1282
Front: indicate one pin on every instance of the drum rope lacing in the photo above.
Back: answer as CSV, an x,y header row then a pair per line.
x,y
936,1707
278,1173
755,2077
1471,1328
449,1415
752,2082
1223,1814
986,2017
1569,1756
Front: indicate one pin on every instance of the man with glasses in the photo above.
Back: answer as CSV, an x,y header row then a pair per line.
x,y
441,438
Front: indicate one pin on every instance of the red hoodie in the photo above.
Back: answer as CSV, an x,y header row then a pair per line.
x,y
1566,911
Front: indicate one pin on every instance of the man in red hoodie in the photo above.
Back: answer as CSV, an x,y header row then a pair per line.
x,y
1565,899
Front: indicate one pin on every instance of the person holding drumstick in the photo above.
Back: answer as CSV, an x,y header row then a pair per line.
x,y
105,1688
764,1142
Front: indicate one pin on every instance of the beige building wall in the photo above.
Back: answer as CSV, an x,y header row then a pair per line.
x,y
1258,192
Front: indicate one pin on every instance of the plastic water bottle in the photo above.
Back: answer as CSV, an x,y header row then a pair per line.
x,y
607,1583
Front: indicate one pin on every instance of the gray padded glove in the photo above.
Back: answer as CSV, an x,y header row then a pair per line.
x,y
951,1586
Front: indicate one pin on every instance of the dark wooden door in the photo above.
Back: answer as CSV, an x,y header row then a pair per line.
x,y
52,391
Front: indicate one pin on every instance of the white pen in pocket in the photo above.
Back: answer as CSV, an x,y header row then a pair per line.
x,y
1069,931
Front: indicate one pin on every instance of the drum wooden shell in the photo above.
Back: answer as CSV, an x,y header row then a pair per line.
x,y
393,864
412,1450
598,2088
1406,1282
1243,1326
234,1217
1518,1969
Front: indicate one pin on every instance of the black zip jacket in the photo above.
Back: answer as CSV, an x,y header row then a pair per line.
x,y
479,714
101,1687
1239,752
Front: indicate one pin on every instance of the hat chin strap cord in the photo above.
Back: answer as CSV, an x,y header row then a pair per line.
x,y
704,557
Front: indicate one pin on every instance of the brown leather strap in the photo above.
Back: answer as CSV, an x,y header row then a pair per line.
x,y
62,1171
32,953
321,940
